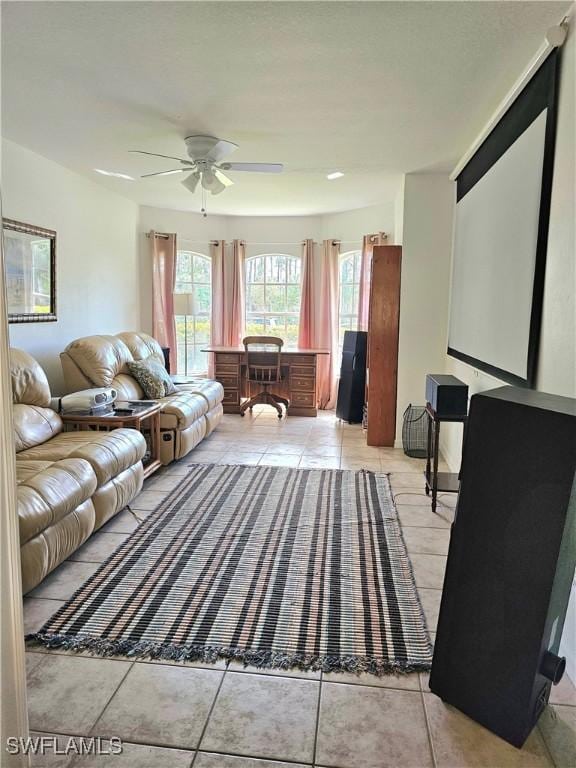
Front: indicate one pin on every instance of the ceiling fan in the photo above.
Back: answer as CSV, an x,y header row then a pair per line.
x,y
206,155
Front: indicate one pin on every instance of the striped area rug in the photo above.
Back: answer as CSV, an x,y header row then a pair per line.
x,y
273,566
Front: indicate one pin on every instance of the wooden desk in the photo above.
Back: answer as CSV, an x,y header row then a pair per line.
x,y
298,371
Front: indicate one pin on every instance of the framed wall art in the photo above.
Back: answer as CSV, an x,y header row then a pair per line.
x,y
30,265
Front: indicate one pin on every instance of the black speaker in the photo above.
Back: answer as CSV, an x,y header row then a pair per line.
x,y
166,353
351,390
447,395
510,562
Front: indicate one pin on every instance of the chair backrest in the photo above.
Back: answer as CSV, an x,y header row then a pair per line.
x,y
262,358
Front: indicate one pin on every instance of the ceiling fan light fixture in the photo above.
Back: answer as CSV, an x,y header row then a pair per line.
x,y
211,183
334,175
223,178
191,182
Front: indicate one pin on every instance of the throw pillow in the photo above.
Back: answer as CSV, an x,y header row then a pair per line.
x,y
152,377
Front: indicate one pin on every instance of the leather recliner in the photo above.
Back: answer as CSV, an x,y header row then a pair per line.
x,y
69,483
101,361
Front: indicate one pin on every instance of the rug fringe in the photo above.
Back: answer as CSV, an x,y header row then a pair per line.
x,y
211,654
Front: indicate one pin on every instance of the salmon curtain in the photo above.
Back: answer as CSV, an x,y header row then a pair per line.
x,y
307,326
319,313
227,327
163,278
368,243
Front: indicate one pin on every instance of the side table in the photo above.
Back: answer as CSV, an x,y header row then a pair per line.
x,y
145,417
445,482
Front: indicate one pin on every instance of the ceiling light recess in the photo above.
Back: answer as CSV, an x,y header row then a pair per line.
x,y
116,175
334,175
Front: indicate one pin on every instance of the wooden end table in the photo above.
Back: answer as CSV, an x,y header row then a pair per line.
x,y
144,416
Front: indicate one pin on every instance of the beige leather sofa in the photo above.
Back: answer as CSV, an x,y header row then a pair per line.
x,y
101,361
69,483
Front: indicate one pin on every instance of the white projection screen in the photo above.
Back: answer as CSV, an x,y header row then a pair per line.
x,y
501,229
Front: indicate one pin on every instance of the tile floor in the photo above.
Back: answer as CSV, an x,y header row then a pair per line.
x,y
228,716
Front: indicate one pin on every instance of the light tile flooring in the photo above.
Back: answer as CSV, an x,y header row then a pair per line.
x,y
227,716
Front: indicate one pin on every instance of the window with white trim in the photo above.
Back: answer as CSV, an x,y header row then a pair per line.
x,y
193,297
273,290
349,294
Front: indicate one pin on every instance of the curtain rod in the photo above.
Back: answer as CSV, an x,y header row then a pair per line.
x,y
297,242
165,236
272,242
161,235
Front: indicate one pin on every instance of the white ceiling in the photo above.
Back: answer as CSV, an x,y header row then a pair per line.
x,y
373,89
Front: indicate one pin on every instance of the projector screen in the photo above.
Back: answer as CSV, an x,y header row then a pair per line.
x,y
501,227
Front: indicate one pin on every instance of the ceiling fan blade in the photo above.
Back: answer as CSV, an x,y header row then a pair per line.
x,y
165,173
253,167
154,154
223,178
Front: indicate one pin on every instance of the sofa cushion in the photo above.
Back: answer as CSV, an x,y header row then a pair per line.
x,y
29,383
48,491
108,453
34,425
117,493
142,346
54,544
152,377
212,391
127,387
181,410
100,358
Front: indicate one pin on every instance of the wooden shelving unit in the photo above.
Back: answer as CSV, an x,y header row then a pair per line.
x,y
382,359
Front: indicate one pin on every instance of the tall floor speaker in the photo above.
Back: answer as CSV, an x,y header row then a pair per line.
x,y
511,561
352,387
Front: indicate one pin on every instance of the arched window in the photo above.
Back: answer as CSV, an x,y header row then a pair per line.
x,y
192,310
273,296
349,290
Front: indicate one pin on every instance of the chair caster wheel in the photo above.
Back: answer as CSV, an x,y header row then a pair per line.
x,y
250,410
242,414
279,415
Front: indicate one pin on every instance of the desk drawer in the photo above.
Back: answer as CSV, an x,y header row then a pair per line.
x,y
302,372
231,397
307,360
226,359
302,383
228,381
306,399
226,370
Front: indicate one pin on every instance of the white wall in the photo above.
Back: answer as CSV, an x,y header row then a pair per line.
x,y
427,235
350,226
96,253
557,358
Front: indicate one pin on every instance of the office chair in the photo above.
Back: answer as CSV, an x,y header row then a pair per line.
x,y
263,368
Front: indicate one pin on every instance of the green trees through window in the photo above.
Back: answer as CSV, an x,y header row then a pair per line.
x,y
273,296
273,293
349,290
193,278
